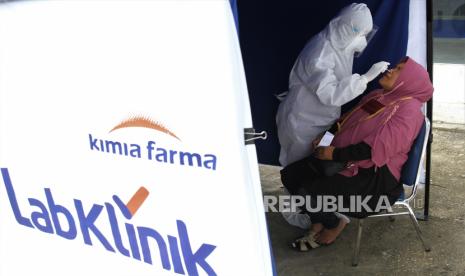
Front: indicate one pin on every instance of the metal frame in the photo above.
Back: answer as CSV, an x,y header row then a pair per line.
x,y
429,105
404,203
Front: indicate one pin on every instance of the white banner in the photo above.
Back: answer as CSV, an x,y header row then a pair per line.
x,y
122,141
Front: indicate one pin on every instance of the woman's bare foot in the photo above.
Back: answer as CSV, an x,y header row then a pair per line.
x,y
328,236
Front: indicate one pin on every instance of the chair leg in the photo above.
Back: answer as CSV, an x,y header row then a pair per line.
x,y
391,218
357,243
414,220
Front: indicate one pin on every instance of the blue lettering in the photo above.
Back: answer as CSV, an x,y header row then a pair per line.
x,y
172,154
133,241
93,143
191,259
43,215
54,211
13,202
162,155
210,164
114,146
144,234
175,256
115,230
87,223
50,218
190,157
135,151
125,149
150,148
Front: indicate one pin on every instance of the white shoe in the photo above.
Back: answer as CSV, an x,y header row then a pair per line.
x,y
344,217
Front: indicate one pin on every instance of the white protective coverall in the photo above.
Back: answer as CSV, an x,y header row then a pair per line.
x,y
321,81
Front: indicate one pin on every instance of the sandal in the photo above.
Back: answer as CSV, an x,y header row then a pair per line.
x,y
306,242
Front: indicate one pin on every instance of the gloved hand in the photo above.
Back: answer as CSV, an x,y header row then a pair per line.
x,y
375,70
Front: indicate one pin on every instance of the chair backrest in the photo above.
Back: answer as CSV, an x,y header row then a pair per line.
x,y
410,174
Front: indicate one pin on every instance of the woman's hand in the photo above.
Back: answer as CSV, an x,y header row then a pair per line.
x,y
324,153
317,140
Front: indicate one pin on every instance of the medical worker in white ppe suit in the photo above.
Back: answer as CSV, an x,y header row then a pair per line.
x,y
320,82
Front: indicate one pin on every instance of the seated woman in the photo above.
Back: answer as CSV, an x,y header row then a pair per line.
x,y
374,140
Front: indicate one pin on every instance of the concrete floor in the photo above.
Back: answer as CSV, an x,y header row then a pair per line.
x,y
388,248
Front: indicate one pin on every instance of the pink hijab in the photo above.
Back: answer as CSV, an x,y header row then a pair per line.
x,y
391,131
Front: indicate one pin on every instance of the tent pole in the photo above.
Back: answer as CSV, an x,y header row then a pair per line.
x,y
429,105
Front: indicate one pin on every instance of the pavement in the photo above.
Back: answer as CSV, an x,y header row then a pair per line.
x,y
449,81
388,248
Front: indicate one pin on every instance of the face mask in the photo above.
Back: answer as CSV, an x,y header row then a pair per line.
x,y
360,43
366,39
357,45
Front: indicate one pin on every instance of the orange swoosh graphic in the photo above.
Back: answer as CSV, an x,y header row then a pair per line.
x,y
137,199
139,121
